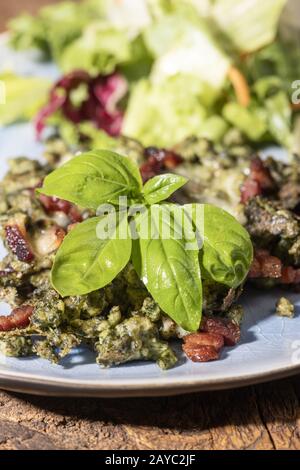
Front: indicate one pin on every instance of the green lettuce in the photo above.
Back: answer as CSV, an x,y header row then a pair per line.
x,y
99,50
23,97
176,56
186,46
54,27
72,133
278,109
280,59
247,24
251,121
165,113
269,116
132,16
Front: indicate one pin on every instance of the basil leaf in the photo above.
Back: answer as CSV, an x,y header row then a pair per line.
x,y
85,263
94,178
170,272
227,249
161,187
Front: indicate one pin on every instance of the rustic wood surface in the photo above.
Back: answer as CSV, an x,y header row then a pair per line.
x,y
263,417
260,417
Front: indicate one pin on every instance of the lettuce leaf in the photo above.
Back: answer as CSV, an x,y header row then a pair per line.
x,y
185,46
54,27
175,56
248,24
24,96
278,109
280,59
269,115
132,16
251,121
99,50
165,113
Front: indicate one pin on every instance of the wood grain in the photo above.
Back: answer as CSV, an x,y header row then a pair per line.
x,y
262,417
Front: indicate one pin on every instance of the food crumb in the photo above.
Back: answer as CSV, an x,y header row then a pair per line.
x,y
285,308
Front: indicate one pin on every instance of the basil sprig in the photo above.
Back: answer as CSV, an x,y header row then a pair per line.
x,y
170,272
171,267
95,178
85,263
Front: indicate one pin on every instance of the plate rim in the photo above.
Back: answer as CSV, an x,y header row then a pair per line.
x,y
41,385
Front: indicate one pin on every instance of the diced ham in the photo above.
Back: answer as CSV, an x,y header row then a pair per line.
x,y
290,275
157,161
214,333
201,353
54,204
258,181
204,339
171,160
250,189
74,214
261,174
19,318
271,266
265,265
255,269
230,331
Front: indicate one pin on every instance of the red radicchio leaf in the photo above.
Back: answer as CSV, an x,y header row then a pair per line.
x,y
109,91
55,103
100,107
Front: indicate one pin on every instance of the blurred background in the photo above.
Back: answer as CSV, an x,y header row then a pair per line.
x,y
220,69
10,9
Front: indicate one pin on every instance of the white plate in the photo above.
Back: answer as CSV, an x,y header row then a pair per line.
x,y
269,349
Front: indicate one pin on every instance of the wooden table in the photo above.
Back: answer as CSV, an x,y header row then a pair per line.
x,y
260,417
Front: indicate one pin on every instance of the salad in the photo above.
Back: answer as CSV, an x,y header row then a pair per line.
x,y
199,67
155,122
